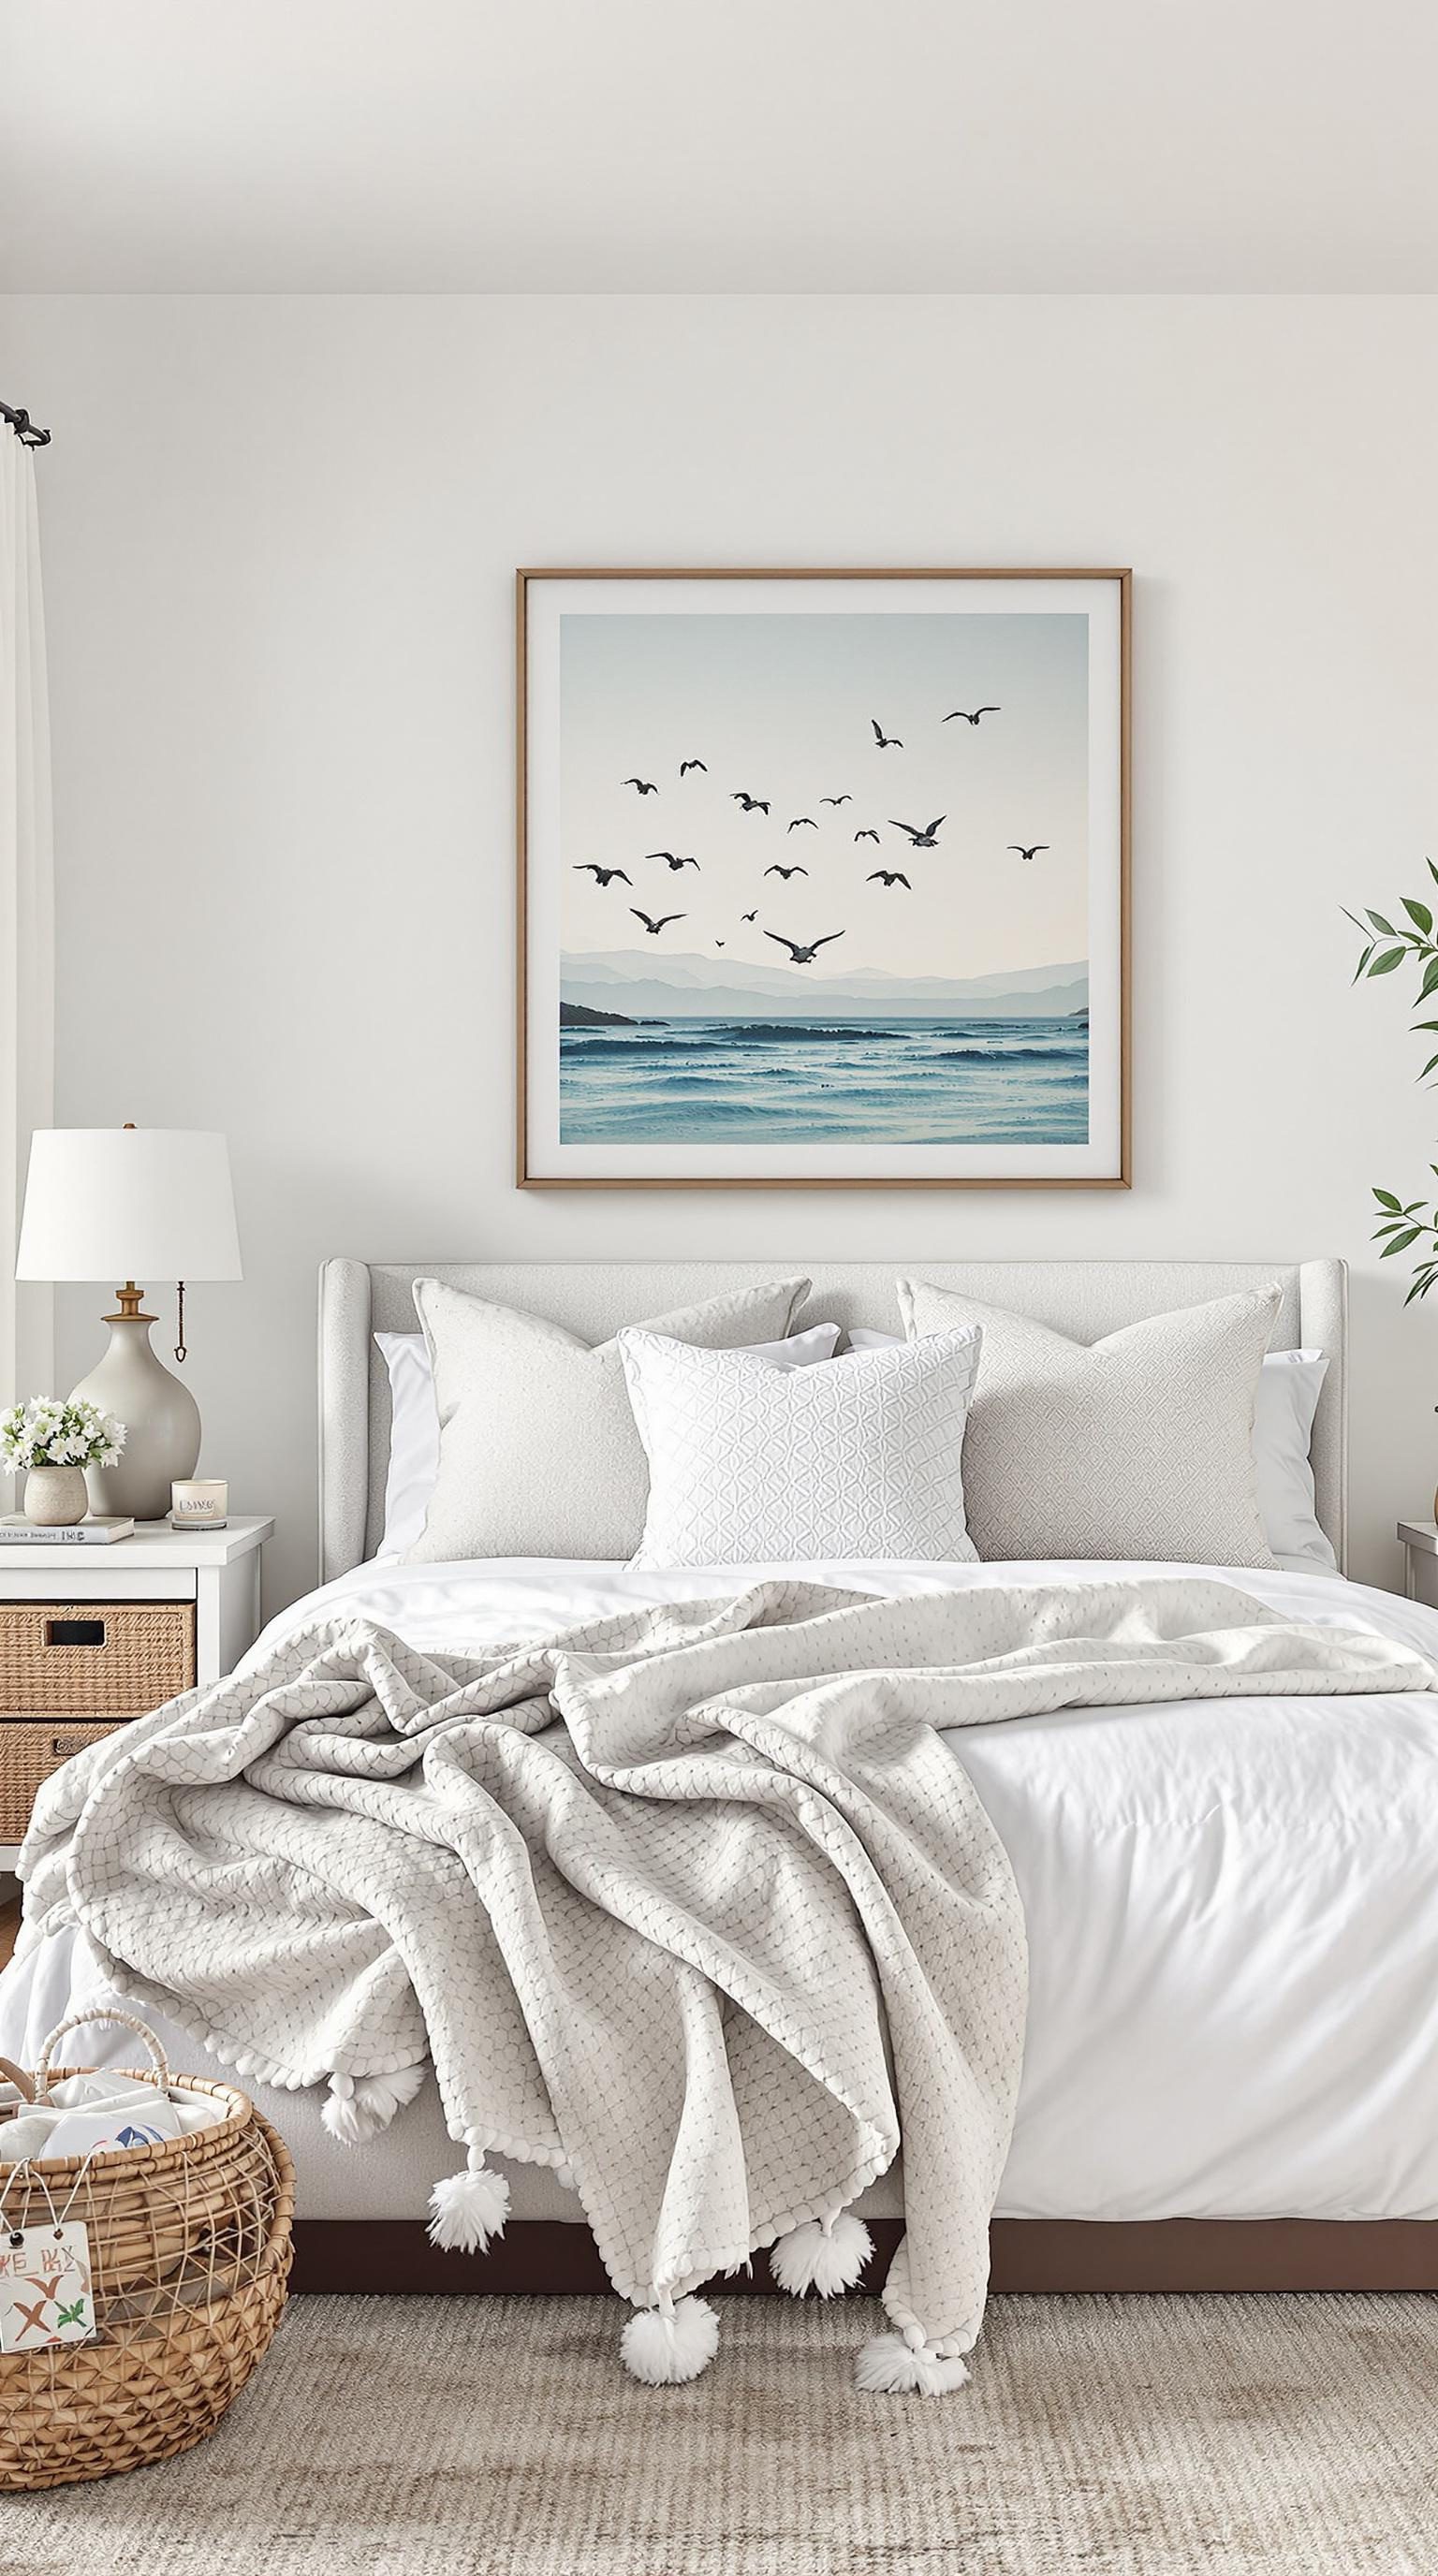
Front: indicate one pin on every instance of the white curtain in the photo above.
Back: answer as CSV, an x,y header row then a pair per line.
x,y
27,920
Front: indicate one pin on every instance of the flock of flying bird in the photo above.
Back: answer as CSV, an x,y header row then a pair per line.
x,y
802,953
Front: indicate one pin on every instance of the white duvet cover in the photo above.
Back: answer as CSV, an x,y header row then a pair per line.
x,y
1232,1913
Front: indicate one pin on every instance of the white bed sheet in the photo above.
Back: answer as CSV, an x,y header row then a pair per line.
x,y
1232,1911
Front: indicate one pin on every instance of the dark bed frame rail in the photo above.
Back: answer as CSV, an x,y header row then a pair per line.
x,y
556,2257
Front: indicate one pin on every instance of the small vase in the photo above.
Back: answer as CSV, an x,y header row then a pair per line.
x,y
55,1497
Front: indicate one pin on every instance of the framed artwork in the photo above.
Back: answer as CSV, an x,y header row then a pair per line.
x,y
823,879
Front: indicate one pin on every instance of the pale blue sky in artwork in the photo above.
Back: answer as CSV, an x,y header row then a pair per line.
x,y
780,705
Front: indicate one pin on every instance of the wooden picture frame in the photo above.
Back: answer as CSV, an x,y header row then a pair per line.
x,y
669,1097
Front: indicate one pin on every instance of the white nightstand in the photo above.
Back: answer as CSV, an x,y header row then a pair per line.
x,y
218,1571
1420,1563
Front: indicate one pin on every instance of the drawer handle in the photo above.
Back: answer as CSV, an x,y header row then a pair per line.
x,y
62,1746
74,1632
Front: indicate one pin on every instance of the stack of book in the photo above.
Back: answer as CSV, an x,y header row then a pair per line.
x,y
16,1531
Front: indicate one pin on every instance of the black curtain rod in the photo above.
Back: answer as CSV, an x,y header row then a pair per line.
x,y
24,427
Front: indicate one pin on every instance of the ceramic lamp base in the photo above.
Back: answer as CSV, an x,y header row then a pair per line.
x,y
161,1419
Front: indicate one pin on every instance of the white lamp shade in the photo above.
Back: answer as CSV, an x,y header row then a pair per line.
x,y
123,1203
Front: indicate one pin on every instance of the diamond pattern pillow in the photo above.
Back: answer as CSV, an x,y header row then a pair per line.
x,y
753,1465
1140,1445
538,1454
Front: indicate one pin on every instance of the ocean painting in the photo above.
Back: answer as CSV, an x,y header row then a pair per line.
x,y
824,890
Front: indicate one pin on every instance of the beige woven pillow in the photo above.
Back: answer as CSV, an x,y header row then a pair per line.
x,y
1140,1445
538,1453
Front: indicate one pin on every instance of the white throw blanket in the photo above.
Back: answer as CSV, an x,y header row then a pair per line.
x,y
714,1946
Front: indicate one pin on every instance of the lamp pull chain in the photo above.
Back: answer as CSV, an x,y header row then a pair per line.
x,y
180,1351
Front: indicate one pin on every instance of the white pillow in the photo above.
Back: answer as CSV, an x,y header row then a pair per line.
x,y
750,1464
538,1454
414,1421
1289,1384
1139,1445
413,1439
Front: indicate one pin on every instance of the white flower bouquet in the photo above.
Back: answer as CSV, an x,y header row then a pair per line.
x,y
59,1431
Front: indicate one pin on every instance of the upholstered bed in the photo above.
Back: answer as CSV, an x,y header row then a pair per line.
x,y
1231,2075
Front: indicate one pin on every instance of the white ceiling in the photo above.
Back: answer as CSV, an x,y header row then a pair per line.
x,y
738,144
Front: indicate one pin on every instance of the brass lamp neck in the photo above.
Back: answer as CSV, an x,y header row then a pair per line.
x,y
129,1306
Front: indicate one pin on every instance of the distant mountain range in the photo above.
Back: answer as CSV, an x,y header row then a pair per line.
x,y
680,986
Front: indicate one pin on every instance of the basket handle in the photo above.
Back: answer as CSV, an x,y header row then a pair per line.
x,y
77,2021
17,2076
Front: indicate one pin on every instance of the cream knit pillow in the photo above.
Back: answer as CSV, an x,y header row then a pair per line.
x,y
1140,1445
538,1454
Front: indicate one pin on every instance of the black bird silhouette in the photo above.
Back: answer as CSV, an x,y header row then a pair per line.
x,y
803,956
751,804
748,916
718,943
654,927
924,839
973,719
686,765
836,800
606,876
888,877
786,873
674,864
803,818
885,741
866,836
1031,852
645,786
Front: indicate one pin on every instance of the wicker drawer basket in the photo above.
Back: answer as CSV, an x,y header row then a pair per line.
x,y
30,1749
94,1658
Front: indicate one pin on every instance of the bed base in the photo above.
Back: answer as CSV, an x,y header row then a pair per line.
x,y
557,2258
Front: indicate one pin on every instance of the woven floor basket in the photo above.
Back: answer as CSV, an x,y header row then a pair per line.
x,y
190,2256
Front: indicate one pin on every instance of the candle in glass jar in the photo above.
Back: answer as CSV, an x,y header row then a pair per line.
x,y
199,1502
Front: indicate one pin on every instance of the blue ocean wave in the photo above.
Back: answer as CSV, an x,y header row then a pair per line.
x,y
901,1081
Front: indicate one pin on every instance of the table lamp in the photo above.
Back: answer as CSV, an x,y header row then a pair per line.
x,y
133,1203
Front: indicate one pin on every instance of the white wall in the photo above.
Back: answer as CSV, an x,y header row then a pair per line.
x,y
279,538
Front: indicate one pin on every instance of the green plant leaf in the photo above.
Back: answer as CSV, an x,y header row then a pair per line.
x,y
1386,1199
1430,980
1392,957
1361,966
1427,1069
1432,871
1400,1242
1420,913
1385,926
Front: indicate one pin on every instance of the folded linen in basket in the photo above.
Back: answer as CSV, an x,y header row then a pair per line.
x,y
104,2114
712,1944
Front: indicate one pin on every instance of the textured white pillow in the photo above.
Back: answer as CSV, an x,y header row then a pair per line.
x,y
538,1454
749,1465
1289,1385
414,1421
1140,1445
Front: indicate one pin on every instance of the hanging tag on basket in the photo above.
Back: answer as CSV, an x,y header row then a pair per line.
x,y
45,2288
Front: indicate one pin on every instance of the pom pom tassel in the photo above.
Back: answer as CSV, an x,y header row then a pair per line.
x,y
359,2106
467,2209
826,2255
892,2366
673,2342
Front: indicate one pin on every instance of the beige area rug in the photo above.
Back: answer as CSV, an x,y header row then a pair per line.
x,y
499,2437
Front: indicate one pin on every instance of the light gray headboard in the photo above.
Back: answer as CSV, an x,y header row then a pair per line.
x,y
1084,1298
